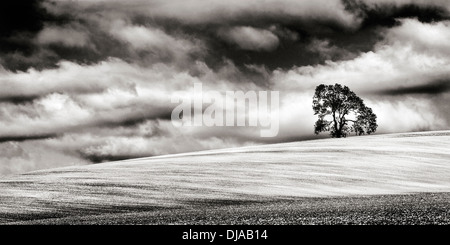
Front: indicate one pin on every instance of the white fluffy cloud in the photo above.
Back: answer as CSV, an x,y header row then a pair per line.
x,y
68,77
155,41
50,114
74,96
249,38
424,38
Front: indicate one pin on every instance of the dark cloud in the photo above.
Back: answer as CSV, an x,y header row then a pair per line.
x,y
432,88
19,99
40,38
20,138
133,121
21,16
99,158
385,14
20,22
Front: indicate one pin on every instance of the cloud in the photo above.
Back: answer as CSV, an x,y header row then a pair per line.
x,y
328,51
433,87
74,96
31,19
49,115
386,12
186,31
395,63
155,41
140,37
216,11
68,77
21,157
147,32
63,35
197,11
108,94
422,3
20,23
423,37
249,38
408,114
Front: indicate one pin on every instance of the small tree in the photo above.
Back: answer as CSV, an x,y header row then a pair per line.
x,y
340,111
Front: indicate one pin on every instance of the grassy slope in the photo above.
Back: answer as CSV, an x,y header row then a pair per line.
x,y
181,188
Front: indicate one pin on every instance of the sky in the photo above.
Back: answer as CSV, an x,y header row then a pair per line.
x,y
90,81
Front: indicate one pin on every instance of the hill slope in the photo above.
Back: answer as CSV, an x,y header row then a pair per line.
x,y
369,165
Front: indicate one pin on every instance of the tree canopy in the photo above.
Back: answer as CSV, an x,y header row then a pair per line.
x,y
341,112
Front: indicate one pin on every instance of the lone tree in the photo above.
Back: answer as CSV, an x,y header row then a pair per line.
x,y
340,111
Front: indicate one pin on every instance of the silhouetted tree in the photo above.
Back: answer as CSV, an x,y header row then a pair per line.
x,y
340,111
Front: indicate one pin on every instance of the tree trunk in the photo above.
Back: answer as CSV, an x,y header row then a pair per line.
x,y
338,133
338,130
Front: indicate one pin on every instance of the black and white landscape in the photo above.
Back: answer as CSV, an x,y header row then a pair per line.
x,y
87,92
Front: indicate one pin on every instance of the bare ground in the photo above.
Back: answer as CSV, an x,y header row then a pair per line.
x,y
411,209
